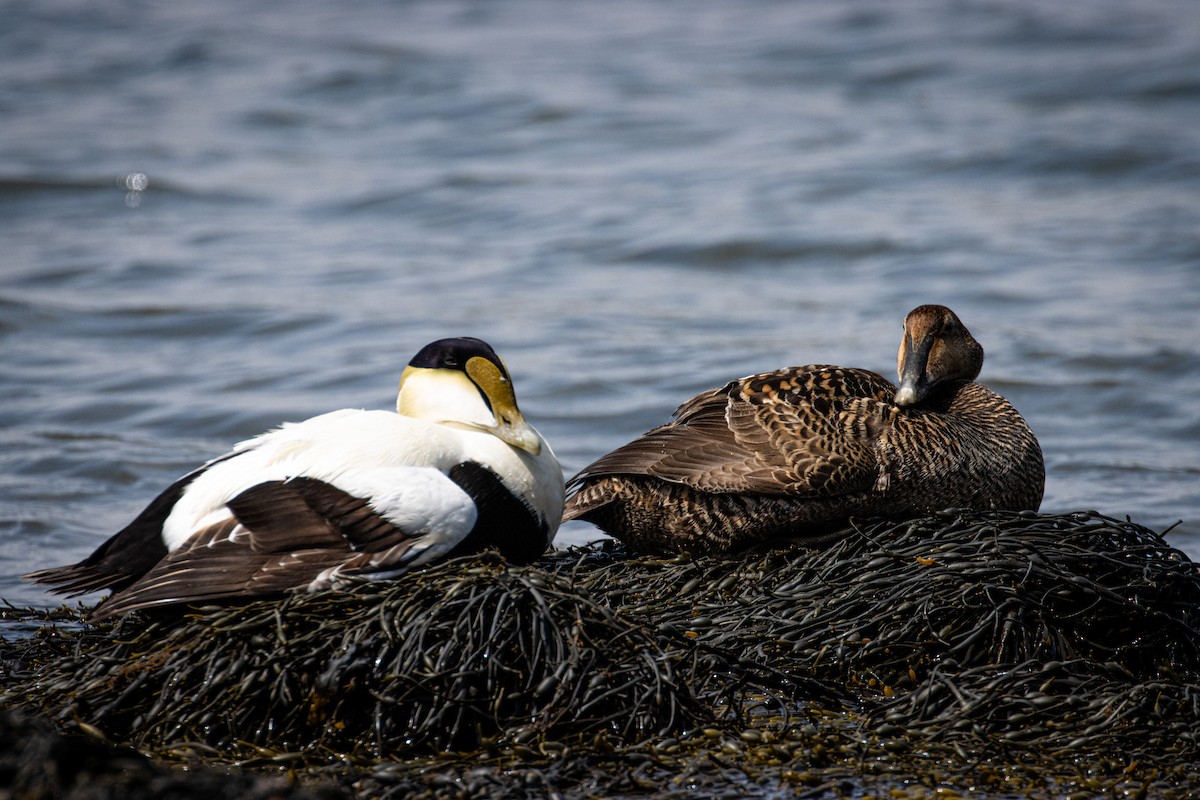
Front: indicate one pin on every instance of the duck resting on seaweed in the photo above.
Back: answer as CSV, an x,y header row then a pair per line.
x,y
799,451
347,494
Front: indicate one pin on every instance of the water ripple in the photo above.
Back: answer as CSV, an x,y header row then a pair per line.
x,y
632,201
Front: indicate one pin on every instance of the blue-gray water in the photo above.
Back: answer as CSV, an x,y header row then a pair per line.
x,y
632,201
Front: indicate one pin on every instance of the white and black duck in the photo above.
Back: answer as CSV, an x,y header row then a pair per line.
x,y
344,495
799,451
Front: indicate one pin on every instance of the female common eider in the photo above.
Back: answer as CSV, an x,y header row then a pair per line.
x,y
313,504
798,452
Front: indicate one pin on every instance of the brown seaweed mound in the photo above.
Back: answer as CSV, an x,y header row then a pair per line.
x,y
463,654
1012,651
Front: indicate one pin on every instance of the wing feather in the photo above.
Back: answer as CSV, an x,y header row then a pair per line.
x,y
296,534
802,431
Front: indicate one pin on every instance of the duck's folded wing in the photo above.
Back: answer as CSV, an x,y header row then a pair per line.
x,y
807,431
304,533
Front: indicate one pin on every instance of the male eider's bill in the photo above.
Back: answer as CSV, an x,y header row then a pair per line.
x,y
799,451
344,495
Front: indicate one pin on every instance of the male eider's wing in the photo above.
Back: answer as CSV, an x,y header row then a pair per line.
x,y
800,431
304,533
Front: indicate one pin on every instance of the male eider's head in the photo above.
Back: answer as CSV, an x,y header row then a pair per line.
x,y
936,349
462,382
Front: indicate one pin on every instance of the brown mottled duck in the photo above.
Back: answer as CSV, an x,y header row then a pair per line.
x,y
799,451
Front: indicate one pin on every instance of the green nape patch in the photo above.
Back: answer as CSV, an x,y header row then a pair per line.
x,y
1017,653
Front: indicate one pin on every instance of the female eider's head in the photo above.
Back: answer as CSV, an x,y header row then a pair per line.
x,y
461,381
936,349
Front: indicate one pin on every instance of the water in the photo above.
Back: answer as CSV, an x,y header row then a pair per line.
x,y
219,216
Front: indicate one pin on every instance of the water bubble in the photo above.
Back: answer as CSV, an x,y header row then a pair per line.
x,y
135,181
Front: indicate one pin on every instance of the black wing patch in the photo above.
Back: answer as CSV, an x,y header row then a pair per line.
x,y
505,521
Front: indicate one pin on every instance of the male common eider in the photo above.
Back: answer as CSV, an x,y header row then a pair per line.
x,y
349,493
799,451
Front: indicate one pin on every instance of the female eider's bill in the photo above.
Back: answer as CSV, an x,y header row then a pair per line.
x,y
799,451
346,494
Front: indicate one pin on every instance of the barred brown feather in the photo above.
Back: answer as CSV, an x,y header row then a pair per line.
x,y
799,451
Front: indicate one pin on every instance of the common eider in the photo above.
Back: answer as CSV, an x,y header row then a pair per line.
x,y
799,451
347,494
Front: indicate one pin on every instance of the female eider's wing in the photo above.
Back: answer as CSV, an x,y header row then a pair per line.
x,y
799,431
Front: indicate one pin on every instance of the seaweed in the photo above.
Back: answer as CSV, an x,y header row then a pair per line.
x,y
1018,653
